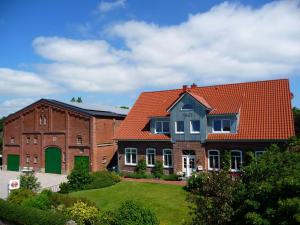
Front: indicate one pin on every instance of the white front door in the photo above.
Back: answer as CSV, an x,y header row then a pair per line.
x,y
188,164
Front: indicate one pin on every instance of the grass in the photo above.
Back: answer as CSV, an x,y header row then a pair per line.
x,y
166,201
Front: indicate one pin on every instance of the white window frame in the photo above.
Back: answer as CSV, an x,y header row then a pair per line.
x,y
221,131
147,153
12,140
241,162
164,150
162,127
179,132
130,151
260,152
194,132
182,109
208,158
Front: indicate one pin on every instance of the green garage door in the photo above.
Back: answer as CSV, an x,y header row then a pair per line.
x,y
84,160
53,160
13,162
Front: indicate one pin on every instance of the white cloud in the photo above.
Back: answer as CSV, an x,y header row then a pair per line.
x,y
105,6
15,82
10,106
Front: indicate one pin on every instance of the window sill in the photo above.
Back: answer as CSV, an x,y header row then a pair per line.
x,y
150,166
127,164
179,132
212,169
194,132
168,167
221,132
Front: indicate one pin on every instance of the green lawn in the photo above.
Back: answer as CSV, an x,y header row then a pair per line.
x,y
167,201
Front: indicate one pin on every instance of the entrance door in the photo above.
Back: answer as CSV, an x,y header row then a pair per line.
x,y
13,162
83,160
188,164
53,160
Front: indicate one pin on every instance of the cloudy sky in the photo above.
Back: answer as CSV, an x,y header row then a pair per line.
x,y
109,51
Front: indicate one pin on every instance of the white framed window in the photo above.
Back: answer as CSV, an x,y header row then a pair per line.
x,y
236,160
187,107
27,158
213,159
35,159
162,127
12,140
35,140
179,127
79,140
28,140
221,126
195,126
167,158
150,156
258,153
130,156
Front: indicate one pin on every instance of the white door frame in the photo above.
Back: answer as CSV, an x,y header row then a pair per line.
x,y
188,170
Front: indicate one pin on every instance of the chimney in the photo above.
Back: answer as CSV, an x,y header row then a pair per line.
x,y
193,85
184,87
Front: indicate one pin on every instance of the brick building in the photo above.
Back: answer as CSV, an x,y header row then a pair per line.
x,y
188,129
50,136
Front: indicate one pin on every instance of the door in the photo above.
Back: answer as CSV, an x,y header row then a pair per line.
x,y
13,162
84,160
188,164
53,160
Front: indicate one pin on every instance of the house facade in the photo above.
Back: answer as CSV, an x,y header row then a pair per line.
x,y
51,136
188,129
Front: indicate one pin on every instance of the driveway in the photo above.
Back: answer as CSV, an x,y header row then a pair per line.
x,y
46,180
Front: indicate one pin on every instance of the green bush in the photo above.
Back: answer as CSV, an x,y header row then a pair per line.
x,y
83,214
29,181
58,199
29,216
158,170
139,176
79,177
133,213
40,201
141,167
64,188
107,218
19,195
103,179
171,177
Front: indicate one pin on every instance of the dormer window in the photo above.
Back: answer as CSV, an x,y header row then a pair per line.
x,y
221,126
162,127
187,107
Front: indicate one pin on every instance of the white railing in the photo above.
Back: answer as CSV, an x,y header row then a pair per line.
x,y
54,188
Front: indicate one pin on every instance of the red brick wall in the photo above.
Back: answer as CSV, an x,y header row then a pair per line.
x,y
13,129
58,120
79,125
29,121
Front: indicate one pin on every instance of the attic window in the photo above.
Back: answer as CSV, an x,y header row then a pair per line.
x,y
187,107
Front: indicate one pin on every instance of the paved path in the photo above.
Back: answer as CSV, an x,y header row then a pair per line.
x,y
157,181
46,180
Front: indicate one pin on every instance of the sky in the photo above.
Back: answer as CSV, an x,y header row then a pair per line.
x,y
109,51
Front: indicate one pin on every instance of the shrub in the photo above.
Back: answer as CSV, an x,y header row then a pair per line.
x,y
40,201
79,177
172,177
107,218
158,169
141,167
64,188
139,176
103,179
29,181
19,195
83,214
133,213
25,215
58,199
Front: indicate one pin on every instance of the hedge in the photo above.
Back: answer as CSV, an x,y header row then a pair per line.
x,y
29,216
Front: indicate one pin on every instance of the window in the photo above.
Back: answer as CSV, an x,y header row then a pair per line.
x,y
130,156
79,140
35,139
54,138
64,157
41,120
27,140
187,107
12,140
195,127
213,160
259,153
221,126
150,156
167,158
162,127
236,160
44,120
27,158
35,159
179,127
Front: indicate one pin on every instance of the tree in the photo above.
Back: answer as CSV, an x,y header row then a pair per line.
x,y
73,99
79,100
29,181
79,177
296,113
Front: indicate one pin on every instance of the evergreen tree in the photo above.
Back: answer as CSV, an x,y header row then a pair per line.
x,y
73,100
79,100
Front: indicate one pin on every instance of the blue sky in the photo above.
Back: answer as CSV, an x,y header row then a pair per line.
x,y
109,51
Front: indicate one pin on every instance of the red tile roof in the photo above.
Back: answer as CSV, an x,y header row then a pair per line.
x,y
264,107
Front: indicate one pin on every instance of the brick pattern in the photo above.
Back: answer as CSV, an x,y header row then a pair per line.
x,y
43,125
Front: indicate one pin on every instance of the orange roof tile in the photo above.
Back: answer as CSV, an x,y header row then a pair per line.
x,y
264,107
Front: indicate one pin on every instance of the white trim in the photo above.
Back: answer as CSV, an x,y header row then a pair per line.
x,y
182,109
167,149
131,164
162,127
241,161
208,166
150,165
179,132
221,131
194,132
